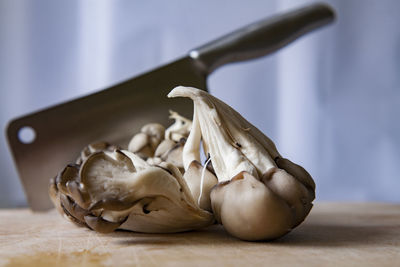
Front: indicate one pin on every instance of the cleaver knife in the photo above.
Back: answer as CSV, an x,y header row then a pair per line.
x,y
118,112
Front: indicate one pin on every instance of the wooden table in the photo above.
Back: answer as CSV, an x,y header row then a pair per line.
x,y
335,234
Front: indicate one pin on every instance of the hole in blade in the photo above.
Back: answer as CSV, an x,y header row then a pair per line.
x,y
26,135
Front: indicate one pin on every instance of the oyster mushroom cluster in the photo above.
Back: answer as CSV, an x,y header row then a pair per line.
x,y
159,185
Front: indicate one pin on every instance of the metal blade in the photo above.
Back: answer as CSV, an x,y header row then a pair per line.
x,y
111,115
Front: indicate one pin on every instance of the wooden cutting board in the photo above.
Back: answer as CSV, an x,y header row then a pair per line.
x,y
335,234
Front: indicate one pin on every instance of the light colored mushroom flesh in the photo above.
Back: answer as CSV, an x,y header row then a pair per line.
x,y
118,189
159,185
260,195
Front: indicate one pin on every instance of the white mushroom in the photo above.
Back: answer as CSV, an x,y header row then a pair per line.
x,y
259,195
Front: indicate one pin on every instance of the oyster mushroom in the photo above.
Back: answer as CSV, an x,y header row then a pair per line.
x,y
171,152
250,188
170,149
180,129
200,181
118,189
260,195
93,148
145,143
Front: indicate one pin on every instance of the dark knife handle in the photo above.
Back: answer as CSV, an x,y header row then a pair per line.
x,y
262,38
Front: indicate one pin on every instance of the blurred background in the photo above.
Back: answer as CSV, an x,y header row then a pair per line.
x,y
330,100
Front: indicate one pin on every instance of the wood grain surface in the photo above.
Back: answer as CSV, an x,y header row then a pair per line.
x,y
334,234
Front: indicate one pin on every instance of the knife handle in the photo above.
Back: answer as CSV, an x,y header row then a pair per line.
x,y
261,38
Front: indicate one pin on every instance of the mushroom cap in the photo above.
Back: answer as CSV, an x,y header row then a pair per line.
x,y
249,210
155,132
294,193
179,129
296,171
164,147
93,148
146,142
140,144
118,189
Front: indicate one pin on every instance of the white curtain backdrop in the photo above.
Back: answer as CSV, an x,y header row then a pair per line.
x,y
329,100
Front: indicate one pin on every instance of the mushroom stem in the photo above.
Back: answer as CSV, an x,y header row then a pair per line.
x,y
202,181
191,150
